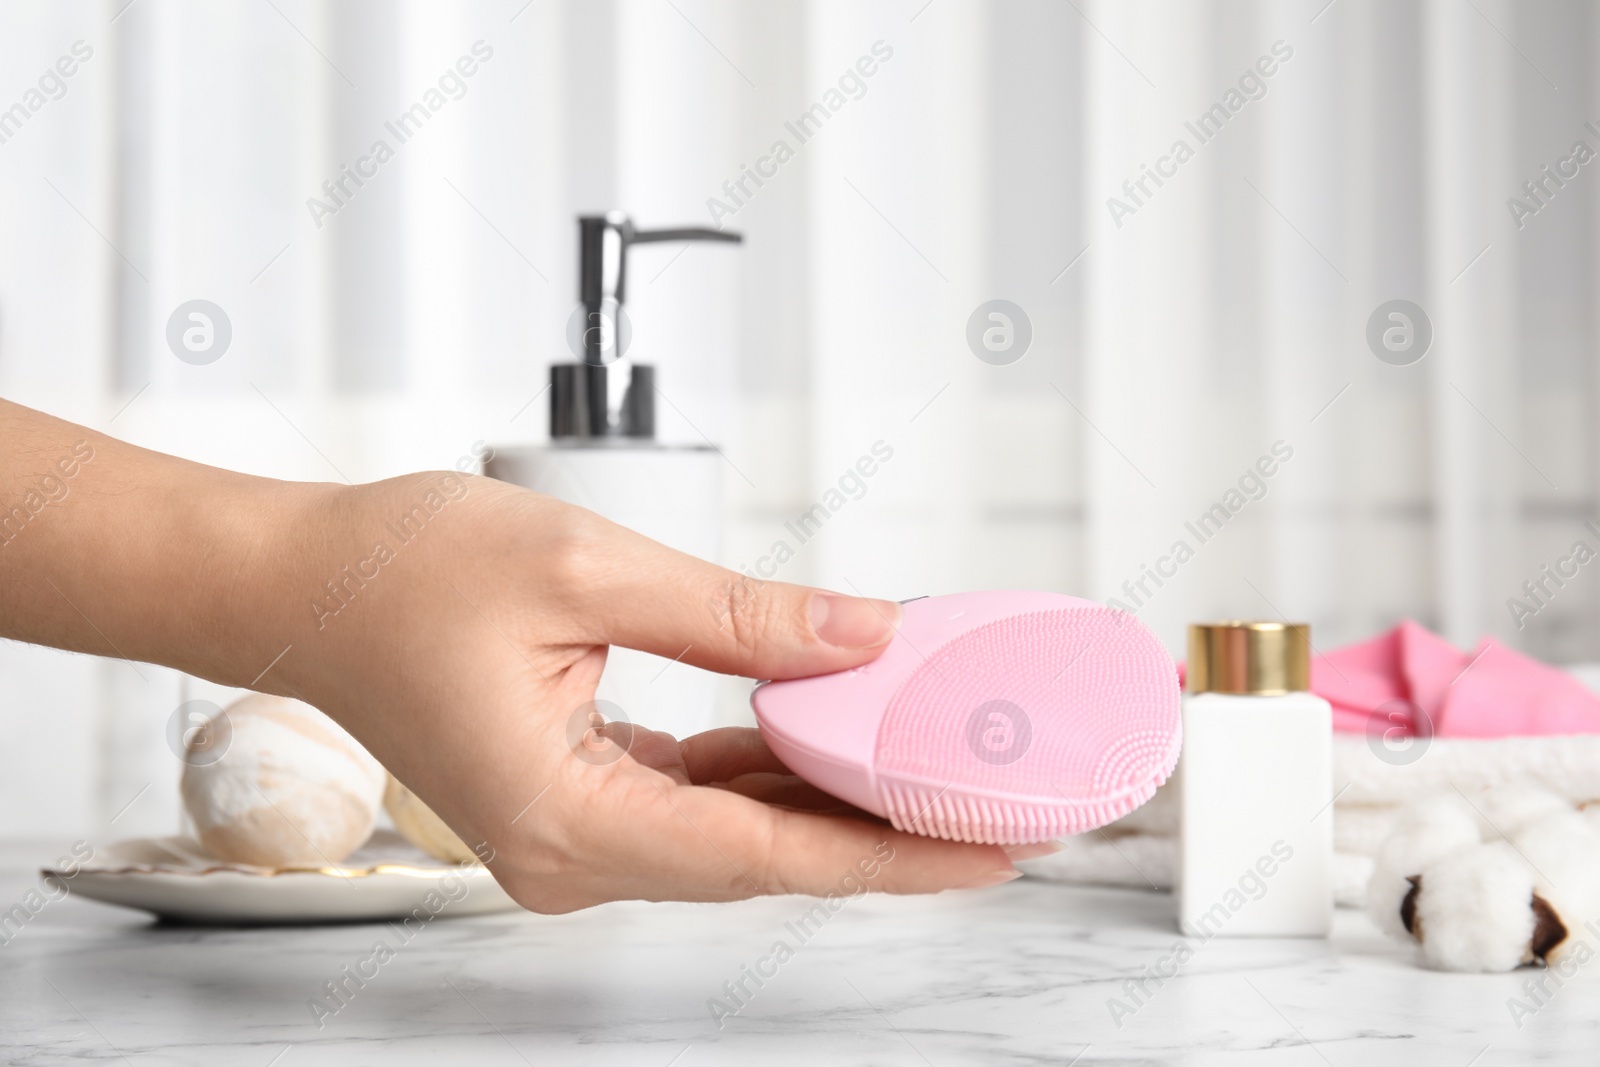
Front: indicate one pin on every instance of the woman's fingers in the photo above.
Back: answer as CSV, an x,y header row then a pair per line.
x,y
748,848
630,826
724,754
788,791
651,748
736,758
763,830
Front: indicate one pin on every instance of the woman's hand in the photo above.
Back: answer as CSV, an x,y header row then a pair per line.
x,y
468,660
457,626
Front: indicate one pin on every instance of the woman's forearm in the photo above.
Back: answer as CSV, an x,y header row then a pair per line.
x,y
115,550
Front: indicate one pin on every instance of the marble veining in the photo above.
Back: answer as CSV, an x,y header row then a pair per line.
x,y
1020,974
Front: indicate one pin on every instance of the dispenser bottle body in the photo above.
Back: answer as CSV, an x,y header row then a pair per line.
x,y
604,456
669,494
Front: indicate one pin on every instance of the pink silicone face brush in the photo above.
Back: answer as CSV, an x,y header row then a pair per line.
x,y
1004,718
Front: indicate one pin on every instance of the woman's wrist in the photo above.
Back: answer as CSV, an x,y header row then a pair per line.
x,y
258,544
341,575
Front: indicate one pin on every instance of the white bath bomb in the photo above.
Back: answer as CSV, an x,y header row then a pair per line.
x,y
420,825
292,789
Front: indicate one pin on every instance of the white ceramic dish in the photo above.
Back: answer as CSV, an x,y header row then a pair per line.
x,y
387,878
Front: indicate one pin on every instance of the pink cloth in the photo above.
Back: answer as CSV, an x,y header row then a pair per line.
x,y
1417,682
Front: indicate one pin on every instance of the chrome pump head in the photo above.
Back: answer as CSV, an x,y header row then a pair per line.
x,y
605,396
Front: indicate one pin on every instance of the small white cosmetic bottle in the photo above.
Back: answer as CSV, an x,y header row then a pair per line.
x,y
1255,786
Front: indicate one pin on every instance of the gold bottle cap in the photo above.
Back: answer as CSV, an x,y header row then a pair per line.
x,y
1255,658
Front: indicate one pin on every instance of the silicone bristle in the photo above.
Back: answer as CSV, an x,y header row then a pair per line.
x,y
962,816
1032,727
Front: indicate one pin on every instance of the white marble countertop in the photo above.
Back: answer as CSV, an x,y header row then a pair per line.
x,y
1020,974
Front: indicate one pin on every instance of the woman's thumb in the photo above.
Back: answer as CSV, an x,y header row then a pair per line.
x,y
671,604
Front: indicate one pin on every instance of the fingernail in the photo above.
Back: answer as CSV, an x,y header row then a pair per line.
x,y
1000,877
1033,851
853,622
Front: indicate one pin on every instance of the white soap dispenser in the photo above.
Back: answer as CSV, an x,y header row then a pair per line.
x,y
603,455
1255,785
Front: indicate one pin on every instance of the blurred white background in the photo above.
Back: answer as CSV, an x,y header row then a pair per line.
x,y
1172,346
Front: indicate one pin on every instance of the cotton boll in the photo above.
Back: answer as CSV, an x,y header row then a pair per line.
x,y
1564,850
419,824
291,790
1591,813
1505,809
1472,910
1565,847
1431,829
1491,907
